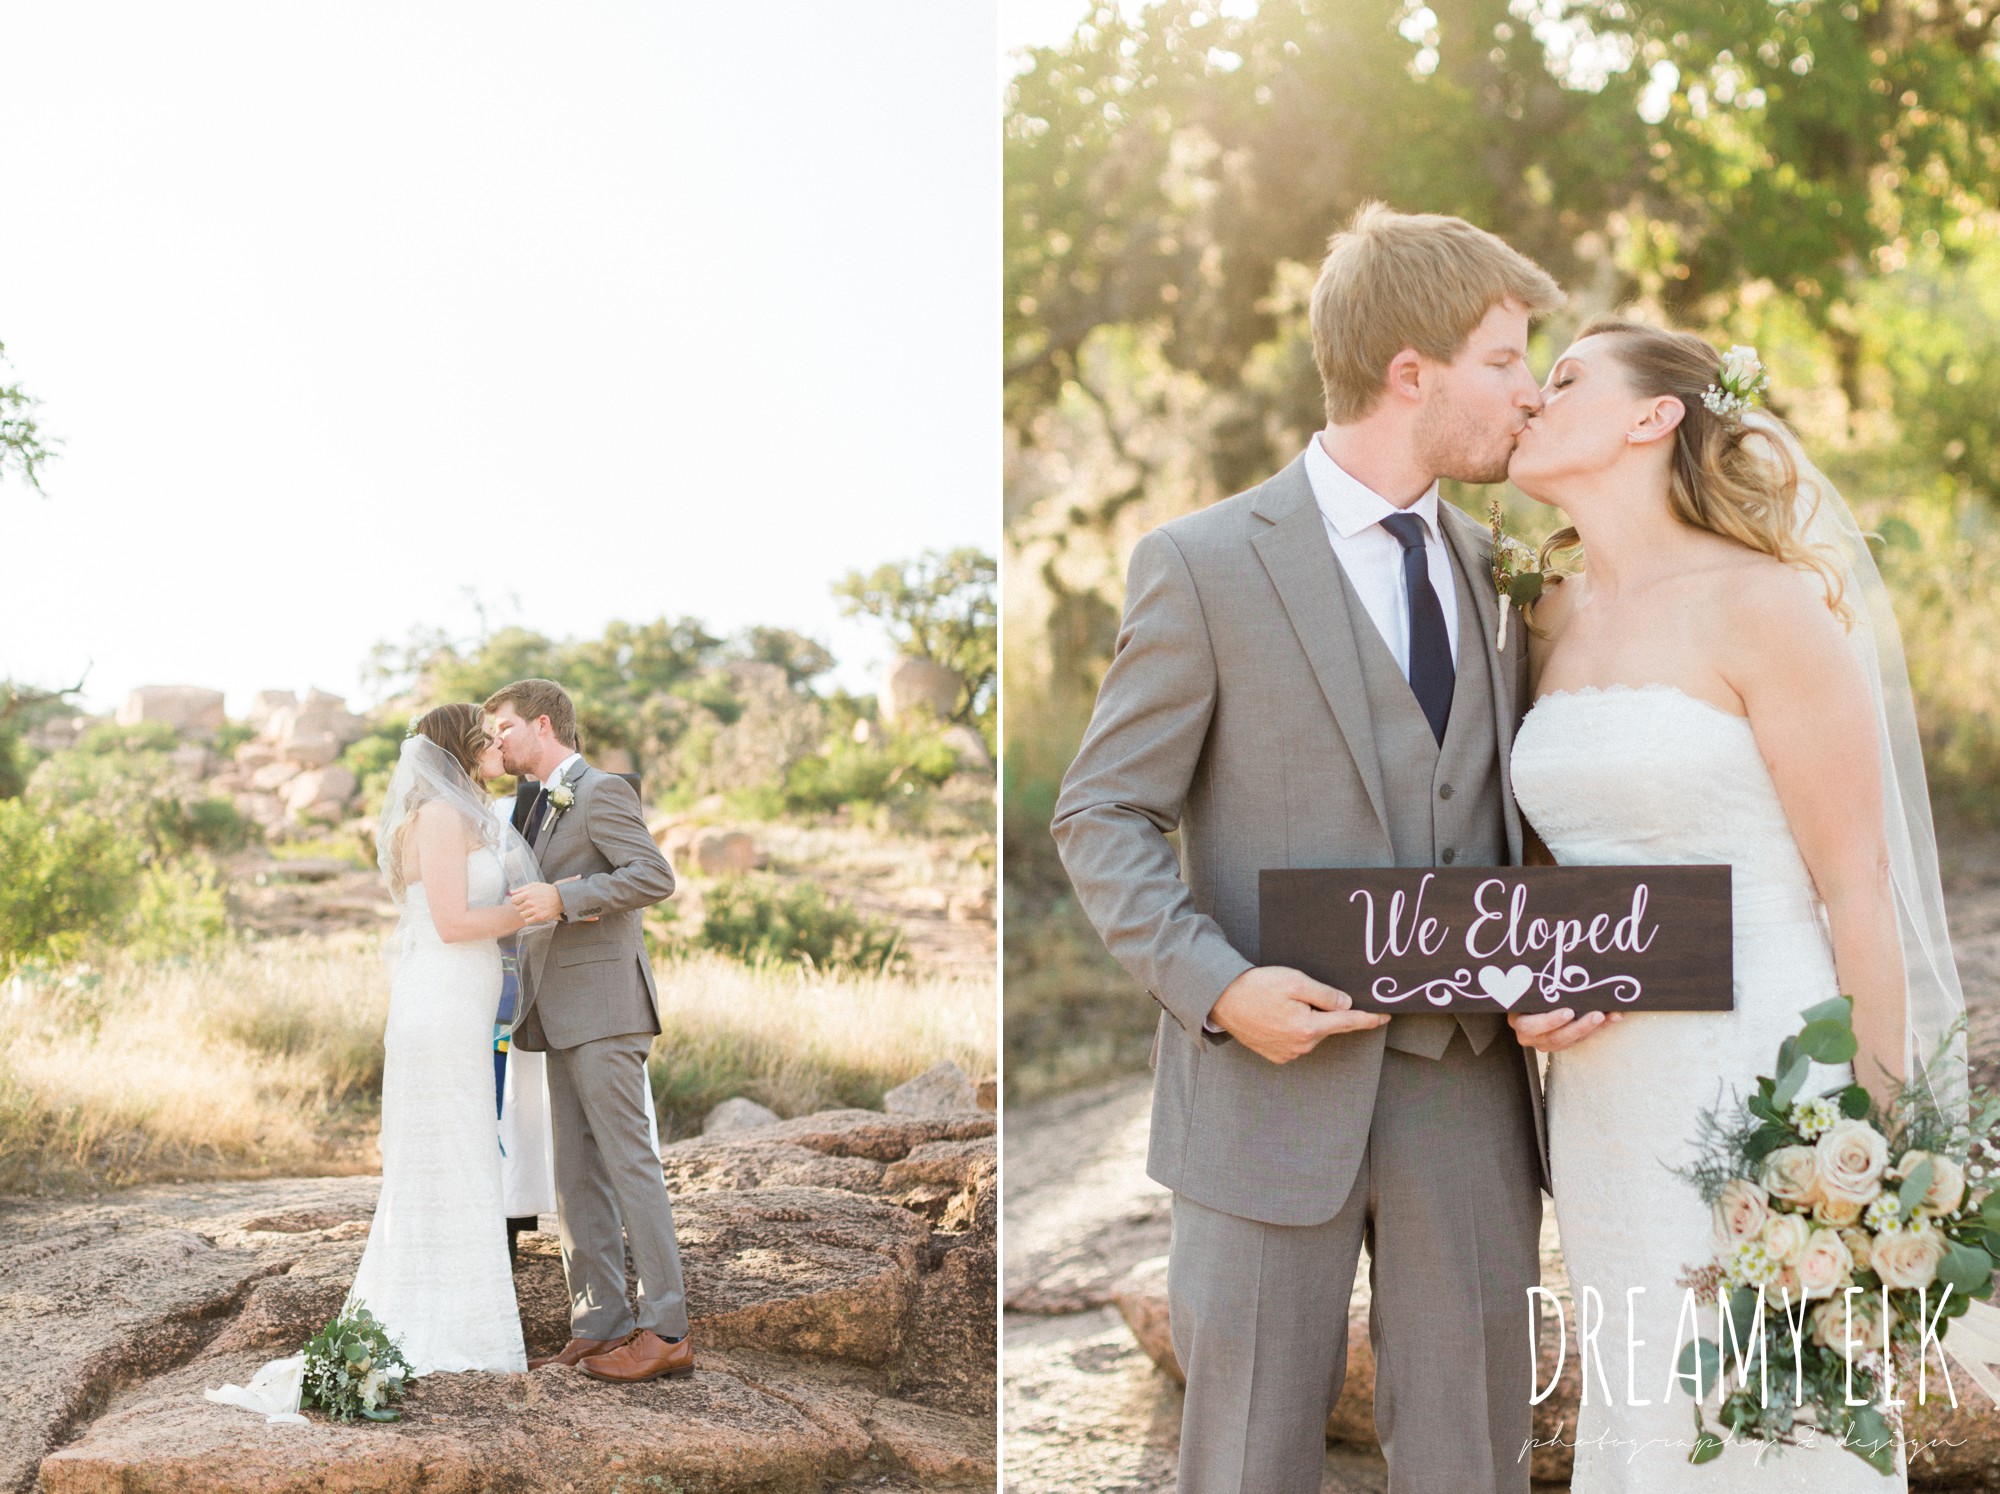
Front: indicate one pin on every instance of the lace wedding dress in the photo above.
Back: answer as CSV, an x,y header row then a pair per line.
x,y
1653,776
435,1271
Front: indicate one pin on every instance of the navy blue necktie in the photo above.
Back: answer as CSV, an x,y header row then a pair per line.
x,y
1431,672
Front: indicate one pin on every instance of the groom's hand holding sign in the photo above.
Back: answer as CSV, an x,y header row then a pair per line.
x,y
1281,1014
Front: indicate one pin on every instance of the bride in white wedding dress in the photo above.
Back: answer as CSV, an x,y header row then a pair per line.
x,y
435,1271
1705,694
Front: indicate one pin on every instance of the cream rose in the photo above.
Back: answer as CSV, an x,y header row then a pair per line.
x,y
1791,1173
1947,1190
1860,1247
1906,1259
1829,1327
1785,1236
1740,1212
1826,1266
1850,1160
1837,1213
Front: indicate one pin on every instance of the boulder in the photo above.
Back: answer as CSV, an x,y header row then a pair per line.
x,y
267,703
190,761
312,749
987,1093
737,1114
273,776
720,853
250,756
316,786
188,709
941,1089
970,747
614,760
918,685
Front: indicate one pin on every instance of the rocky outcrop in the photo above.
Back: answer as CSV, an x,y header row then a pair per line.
x,y
840,1276
189,709
941,1089
287,774
737,1114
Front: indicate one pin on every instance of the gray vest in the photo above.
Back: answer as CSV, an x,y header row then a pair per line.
x,y
1445,804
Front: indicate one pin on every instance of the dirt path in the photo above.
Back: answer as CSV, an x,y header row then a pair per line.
x,y
1085,1411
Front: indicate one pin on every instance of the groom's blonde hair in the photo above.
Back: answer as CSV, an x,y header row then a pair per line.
x,y
532,698
1394,280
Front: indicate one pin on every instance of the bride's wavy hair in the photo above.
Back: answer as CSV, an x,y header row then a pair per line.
x,y
1727,476
460,728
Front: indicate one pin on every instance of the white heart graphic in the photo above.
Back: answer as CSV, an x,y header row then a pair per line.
x,y
1505,986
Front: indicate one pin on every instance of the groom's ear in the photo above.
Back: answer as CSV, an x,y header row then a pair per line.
x,y
1661,420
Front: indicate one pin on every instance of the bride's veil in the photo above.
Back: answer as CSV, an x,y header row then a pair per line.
x,y
1935,1047
427,773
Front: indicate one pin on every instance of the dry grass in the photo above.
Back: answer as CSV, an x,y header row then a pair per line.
x,y
266,1059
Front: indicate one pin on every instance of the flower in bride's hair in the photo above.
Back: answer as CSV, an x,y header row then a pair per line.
x,y
1739,381
1791,1174
415,718
1740,1211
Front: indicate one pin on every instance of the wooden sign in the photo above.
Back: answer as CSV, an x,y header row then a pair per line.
x,y
1506,938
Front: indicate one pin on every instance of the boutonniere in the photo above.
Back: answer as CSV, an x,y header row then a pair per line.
x,y
1518,576
561,798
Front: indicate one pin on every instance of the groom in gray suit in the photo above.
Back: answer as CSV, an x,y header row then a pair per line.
x,y
587,1000
1307,676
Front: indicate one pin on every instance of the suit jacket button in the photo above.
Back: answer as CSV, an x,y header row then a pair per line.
x,y
1445,792
1449,856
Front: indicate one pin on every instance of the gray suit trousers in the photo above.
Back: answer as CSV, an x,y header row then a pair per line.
x,y
1447,1202
609,1192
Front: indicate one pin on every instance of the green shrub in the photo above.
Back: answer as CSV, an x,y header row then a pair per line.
x,y
761,919
119,775
64,878
851,772
180,911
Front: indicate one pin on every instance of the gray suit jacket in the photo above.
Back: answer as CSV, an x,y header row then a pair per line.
x,y
1234,712
587,980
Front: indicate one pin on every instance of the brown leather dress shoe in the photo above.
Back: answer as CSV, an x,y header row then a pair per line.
x,y
643,1356
575,1349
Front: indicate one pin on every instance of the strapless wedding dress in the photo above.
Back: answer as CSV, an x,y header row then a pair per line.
x,y
435,1270
1653,776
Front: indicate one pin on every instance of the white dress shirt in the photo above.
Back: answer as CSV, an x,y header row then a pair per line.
x,y
1372,557
561,774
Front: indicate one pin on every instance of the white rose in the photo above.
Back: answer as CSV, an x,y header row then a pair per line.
x,y
1850,1159
1785,1236
1907,1260
1947,1190
1826,1266
1791,1173
1740,1212
1830,1329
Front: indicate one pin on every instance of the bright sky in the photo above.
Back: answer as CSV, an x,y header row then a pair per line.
x,y
341,309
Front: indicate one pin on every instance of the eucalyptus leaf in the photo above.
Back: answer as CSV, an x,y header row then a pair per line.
x,y
1966,1269
1915,1186
1828,1042
1525,588
1854,1101
1793,1081
1840,1009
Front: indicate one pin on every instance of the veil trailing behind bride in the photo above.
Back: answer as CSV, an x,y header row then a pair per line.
x,y
435,1270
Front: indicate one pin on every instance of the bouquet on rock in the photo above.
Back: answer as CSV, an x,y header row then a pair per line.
x,y
353,1368
1850,1244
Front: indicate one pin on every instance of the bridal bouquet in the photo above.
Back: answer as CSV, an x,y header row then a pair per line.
x,y
353,1368
1848,1241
